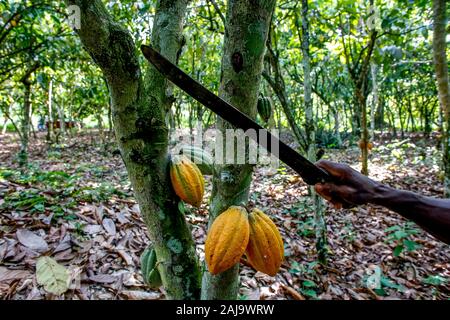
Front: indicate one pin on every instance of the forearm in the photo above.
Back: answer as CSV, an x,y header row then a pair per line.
x,y
433,215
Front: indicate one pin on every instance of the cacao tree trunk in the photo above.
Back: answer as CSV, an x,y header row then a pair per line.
x,y
310,133
364,132
337,131
5,125
375,99
6,113
139,106
242,61
50,112
62,123
25,123
441,67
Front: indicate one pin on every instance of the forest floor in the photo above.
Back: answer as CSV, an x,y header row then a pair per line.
x,y
75,205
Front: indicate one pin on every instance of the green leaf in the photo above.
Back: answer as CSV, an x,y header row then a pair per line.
x,y
309,284
393,228
400,234
386,282
435,280
411,245
52,276
380,292
398,249
181,207
310,293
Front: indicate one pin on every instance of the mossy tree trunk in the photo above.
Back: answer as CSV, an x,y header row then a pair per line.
x,y
441,67
139,106
247,26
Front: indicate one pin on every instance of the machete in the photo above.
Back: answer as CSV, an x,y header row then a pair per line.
x,y
309,172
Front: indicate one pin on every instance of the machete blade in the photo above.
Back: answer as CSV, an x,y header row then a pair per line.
x,y
309,172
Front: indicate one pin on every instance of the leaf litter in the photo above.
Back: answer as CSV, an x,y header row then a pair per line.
x,y
79,212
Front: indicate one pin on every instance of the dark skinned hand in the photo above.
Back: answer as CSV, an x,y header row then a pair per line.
x,y
349,187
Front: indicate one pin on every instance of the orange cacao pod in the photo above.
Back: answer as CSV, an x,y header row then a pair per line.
x,y
362,145
265,249
187,180
227,239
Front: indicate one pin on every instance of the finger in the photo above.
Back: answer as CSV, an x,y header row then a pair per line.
x,y
336,194
323,190
337,205
333,168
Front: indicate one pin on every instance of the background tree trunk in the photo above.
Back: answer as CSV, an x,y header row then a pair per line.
x,y
375,98
337,126
62,123
50,112
139,108
441,67
242,62
25,123
310,133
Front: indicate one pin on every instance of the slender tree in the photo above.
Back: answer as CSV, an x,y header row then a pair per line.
x,y
26,111
441,67
310,133
358,67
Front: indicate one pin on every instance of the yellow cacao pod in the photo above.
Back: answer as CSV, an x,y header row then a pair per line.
x,y
227,239
265,248
187,180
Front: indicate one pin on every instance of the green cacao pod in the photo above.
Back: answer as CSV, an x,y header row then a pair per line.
x,y
202,158
150,273
264,108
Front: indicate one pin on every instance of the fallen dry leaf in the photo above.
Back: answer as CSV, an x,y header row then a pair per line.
x,y
31,240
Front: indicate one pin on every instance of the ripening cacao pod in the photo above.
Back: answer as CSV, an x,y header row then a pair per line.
x,y
227,239
264,108
202,158
265,249
150,273
362,145
187,180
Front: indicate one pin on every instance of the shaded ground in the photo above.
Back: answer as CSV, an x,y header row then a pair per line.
x,y
75,205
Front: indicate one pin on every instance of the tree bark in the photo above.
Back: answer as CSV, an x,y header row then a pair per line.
x,y
441,67
375,98
242,62
139,107
25,123
62,123
50,112
7,118
337,125
310,133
